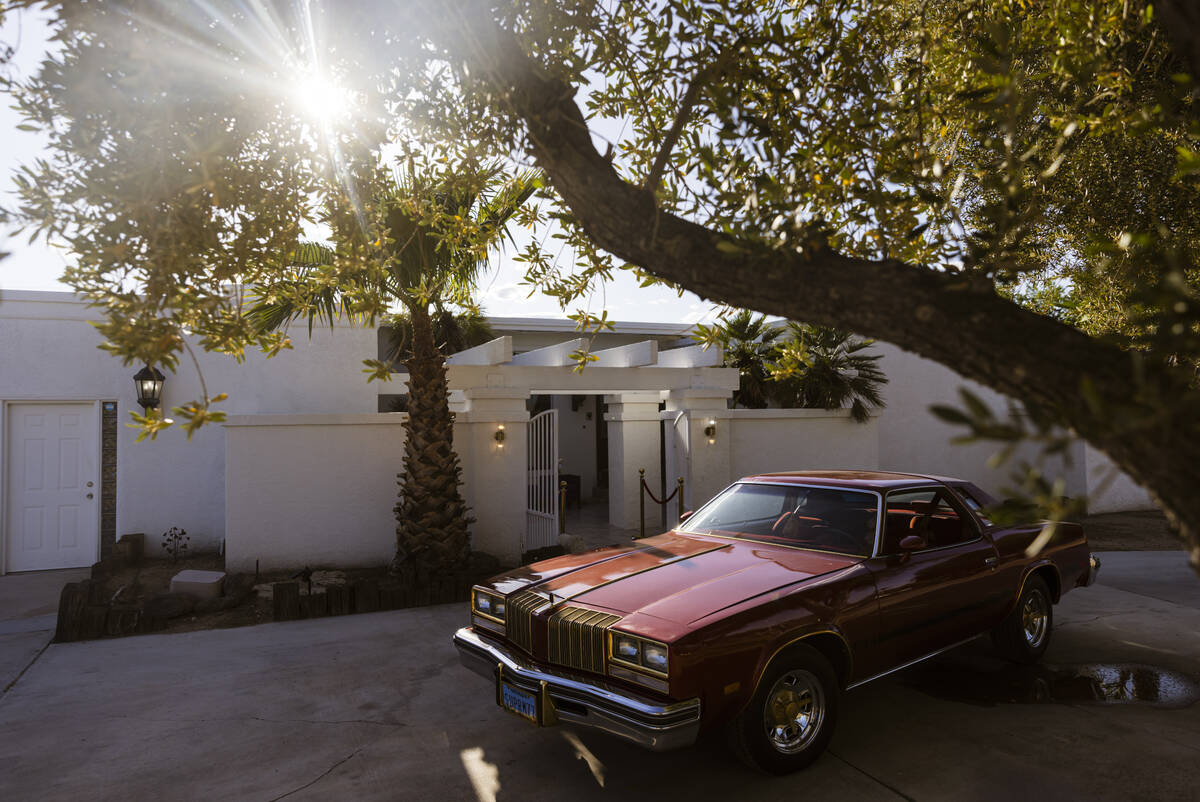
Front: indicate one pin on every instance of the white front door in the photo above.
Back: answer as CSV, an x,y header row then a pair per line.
x,y
53,493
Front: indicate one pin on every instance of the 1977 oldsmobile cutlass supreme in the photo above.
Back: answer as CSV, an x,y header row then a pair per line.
x,y
756,612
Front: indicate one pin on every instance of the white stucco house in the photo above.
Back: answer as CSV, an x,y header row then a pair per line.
x,y
303,471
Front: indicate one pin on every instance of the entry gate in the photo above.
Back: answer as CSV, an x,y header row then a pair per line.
x,y
541,514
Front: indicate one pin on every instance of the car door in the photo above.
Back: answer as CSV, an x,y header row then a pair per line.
x,y
933,597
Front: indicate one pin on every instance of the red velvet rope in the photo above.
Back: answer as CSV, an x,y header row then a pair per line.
x,y
654,499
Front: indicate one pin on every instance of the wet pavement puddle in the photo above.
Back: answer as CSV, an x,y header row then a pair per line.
x,y
978,681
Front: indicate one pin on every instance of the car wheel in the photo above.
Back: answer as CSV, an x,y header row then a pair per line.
x,y
1025,633
790,719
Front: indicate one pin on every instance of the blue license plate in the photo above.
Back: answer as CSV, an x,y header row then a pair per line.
x,y
515,700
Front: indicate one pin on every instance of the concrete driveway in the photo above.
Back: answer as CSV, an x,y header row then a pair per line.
x,y
28,615
377,707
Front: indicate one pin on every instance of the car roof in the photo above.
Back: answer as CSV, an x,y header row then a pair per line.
x,y
869,480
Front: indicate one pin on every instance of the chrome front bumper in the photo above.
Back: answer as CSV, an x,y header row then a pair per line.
x,y
578,701
1093,570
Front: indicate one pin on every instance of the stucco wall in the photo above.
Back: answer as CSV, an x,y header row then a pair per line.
x,y
768,440
49,352
912,439
319,490
1109,489
311,490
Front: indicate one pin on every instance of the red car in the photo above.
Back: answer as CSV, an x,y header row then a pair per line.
x,y
759,610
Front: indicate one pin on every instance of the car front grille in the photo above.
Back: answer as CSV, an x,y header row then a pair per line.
x,y
576,638
522,607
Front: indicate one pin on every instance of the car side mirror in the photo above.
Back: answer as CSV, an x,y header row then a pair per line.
x,y
683,516
912,543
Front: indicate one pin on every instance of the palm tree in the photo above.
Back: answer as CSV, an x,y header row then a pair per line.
x,y
452,332
820,367
433,237
748,345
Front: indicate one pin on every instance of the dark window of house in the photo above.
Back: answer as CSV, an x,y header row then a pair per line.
x,y
393,403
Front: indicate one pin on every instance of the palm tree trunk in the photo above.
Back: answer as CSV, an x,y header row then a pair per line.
x,y
431,517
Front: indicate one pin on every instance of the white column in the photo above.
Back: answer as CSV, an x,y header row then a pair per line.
x,y
702,459
494,471
633,432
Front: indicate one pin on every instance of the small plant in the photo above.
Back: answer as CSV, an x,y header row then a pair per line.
x,y
175,542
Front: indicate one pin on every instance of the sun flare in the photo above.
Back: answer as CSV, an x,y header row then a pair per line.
x,y
320,99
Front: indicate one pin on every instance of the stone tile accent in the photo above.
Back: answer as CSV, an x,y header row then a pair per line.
x,y
108,478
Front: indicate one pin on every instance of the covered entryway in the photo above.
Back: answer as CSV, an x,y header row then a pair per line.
x,y
638,394
51,496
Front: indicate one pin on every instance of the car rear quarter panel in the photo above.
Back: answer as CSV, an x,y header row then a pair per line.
x,y
1066,555
725,653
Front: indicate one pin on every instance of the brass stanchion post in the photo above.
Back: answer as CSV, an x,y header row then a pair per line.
x,y
562,507
641,502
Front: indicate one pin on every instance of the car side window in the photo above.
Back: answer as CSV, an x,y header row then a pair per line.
x,y
928,513
976,506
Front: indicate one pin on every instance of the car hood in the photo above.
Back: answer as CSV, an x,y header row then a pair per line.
x,y
674,577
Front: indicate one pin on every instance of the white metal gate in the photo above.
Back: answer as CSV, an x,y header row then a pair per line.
x,y
541,513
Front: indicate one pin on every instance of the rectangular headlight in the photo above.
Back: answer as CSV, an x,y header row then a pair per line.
x,y
655,657
641,654
487,604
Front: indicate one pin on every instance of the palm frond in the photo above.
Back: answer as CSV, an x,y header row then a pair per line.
x,y
311,254
305,295
495,212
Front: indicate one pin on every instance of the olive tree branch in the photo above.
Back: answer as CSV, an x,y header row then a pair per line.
x,y
703,75
950,318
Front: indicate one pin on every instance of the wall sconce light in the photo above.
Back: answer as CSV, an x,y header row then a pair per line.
x,y
149,383
499,435
710,431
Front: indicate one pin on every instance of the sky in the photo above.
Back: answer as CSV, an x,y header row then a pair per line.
x,y
38,266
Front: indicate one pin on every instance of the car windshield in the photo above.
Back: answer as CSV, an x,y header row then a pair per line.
x,y
821,518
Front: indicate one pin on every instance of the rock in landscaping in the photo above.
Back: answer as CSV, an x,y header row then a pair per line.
x,y
201,584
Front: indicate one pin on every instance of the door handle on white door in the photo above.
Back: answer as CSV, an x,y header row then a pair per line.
x,y
90,495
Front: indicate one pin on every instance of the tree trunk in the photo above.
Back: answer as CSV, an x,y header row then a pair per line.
x,y
431,517
1138,412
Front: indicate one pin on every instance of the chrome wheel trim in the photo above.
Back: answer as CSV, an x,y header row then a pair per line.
x,y
794,711
1035,618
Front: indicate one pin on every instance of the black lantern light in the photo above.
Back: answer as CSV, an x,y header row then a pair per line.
x,y
149,383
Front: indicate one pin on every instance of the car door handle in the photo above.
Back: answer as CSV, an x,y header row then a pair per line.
x,y
991,562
